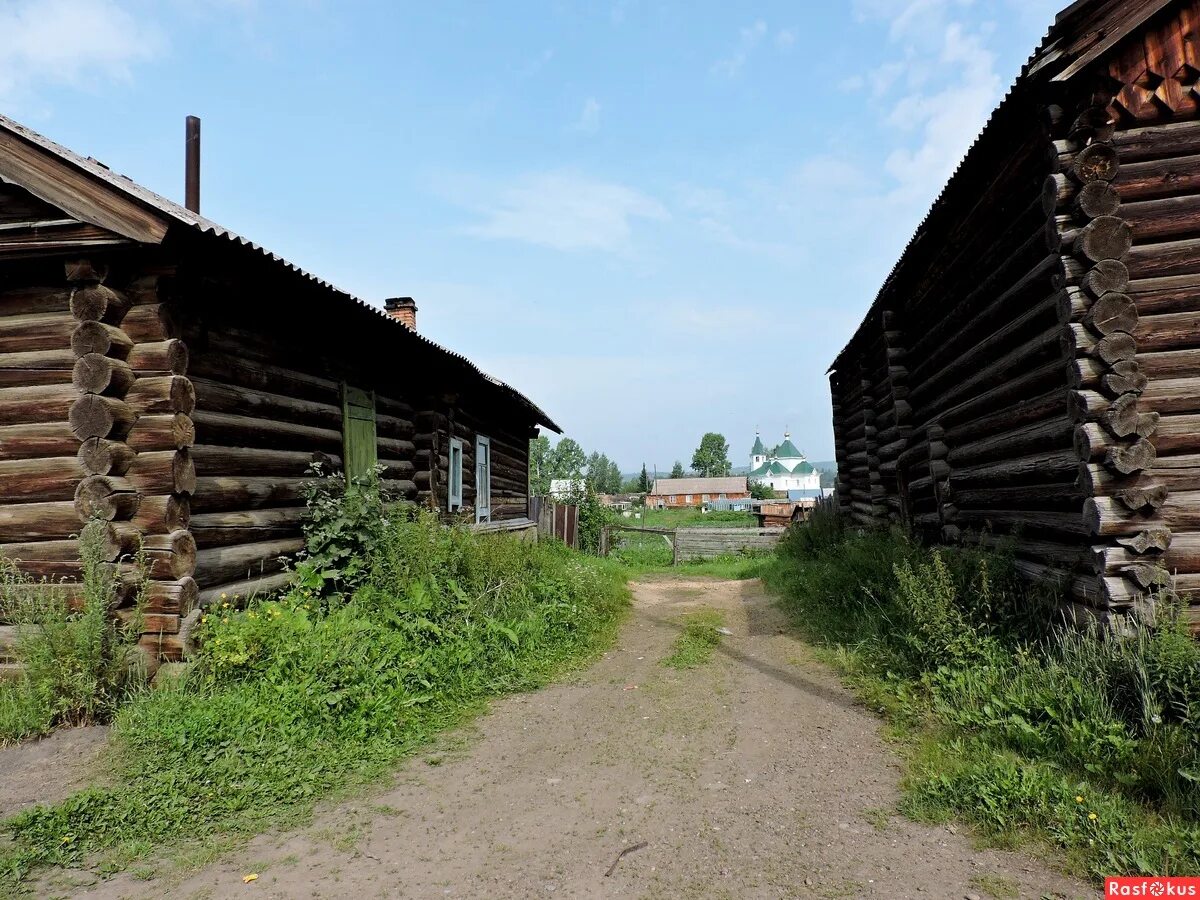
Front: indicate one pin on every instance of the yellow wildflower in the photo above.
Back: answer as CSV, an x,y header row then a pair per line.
x,y
1093,816
1078,799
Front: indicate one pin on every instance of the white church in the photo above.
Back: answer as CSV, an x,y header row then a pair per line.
x,y
783,468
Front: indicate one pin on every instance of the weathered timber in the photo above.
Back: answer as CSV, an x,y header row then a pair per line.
x,y
96,374
1035,467
95,302
100,456
1164,259
1180,512
94,416
1094,444
162,395
163,472
41,403
223,493
170,556
1095,162
216,459
1178,434
1174,293
1108,275
1112,312
1053,432
245,589
1105,237
218,397
162,432
23,522
101,338
247,431
105,497
1168,331
169,357
1154,538
246,526
163,513
152,322
221,565
32,480
37,440
1097,198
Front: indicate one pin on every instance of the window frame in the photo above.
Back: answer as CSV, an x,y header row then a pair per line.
x,y
454,465
483,488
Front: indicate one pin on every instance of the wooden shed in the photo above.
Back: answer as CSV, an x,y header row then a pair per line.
x,y
1030,370
174,379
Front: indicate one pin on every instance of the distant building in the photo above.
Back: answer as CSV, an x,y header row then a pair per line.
x,y
679,492
783,468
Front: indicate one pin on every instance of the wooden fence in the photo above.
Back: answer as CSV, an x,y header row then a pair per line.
x,y
702,543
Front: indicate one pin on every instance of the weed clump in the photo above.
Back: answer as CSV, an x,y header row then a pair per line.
x,y
697,640
1089,741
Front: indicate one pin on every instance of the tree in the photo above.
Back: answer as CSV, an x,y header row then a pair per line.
x,y
677,470
760,490
644,481
597,471
567,460
613,483
711,459
539,466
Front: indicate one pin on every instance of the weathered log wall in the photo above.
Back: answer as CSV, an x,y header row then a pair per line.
x,y
1029,373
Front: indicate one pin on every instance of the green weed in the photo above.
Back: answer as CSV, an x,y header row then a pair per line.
x,y
697,641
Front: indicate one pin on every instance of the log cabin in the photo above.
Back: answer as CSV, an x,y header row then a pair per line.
x,y
172,383
1029,373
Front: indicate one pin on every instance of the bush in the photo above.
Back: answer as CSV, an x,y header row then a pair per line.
x,y
1018,717
295,696
77,666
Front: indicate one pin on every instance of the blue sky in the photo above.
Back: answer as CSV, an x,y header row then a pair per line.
x,y
656,219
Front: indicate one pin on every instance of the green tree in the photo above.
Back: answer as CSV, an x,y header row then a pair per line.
x,y
567,460
644,481
597,471
539,466
711,459
677,470
760,490
613,483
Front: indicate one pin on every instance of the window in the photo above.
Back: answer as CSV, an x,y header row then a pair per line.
x,y
687,498
358,432
483,479
454,480
704,498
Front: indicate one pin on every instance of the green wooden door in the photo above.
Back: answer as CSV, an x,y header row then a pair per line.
x,y
358,431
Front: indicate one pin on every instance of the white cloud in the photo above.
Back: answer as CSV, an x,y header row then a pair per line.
x,y
785,38
565,211
71,42
750,37
589,117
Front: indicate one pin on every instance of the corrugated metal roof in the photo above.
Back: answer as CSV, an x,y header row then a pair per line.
x,y
1096,25
182,216
734,484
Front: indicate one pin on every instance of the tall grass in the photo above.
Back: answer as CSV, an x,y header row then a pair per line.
x,y
78,664
293,697
1089,741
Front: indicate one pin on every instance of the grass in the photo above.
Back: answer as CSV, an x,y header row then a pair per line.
x,y
692,517
1084,743
299,697
697,640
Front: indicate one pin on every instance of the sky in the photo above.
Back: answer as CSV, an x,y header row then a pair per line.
x,y
655,219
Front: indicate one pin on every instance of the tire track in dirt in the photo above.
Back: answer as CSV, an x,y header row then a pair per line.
x,y
754,775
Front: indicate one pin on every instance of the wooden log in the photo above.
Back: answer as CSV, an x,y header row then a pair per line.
x,y
100,338
93,416
215,459
1181,557
1093,444
162,432
170,556
163,472
1097,198
1165,259
162,395
1106,516
265,376
1170,364
1178,434
1106,276
219,397
95,302
1112,348
1168,331
96,374
401,489
1174,293
1056,432
168,357
1120,416
37,332
1095,162
1164,218
247,431
34,300
25,522
1158,178
1157,141
37,440
1053,496
105,497
111,539
40,403
36,367
1154,538
223,565
222,529
34,480
178,597
223,493
1137,491
99,456
244,590
1113,312
152,322
163,514
1056,522
1035,467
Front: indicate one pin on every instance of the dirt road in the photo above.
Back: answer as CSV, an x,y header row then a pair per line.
x,y
751,776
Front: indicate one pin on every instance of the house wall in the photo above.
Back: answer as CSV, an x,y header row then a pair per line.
x,y
1028,376
673,501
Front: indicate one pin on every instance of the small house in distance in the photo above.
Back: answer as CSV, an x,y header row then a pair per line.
x,y
668,493
175,381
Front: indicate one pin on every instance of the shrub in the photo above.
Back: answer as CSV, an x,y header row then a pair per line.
x,y
77,666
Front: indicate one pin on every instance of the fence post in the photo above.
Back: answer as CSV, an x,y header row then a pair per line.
x,y
675,547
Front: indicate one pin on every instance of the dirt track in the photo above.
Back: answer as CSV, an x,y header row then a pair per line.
x,y
752,776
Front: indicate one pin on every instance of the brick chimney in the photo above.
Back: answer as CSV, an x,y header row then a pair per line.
x,y
403,310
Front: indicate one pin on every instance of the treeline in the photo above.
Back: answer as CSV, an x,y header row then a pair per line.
x,y
568,460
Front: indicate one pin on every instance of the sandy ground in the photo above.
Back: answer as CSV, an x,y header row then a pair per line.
x,y
49,769
752,776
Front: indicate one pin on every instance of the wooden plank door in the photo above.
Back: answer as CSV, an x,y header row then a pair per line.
x,y
358,432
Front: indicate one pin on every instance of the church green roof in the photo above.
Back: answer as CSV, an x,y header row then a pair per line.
x,y
758,449
787,450
777,468
764,469
803,469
